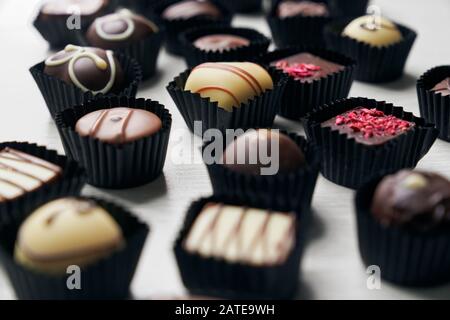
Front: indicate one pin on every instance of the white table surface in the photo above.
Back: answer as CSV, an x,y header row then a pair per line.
x,y
331,267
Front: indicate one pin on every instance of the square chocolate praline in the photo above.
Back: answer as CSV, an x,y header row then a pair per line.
x,y
314,66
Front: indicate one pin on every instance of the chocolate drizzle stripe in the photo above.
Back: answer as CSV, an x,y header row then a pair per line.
x,y
124,126
13,184
30,159
96,126
9,168
220,89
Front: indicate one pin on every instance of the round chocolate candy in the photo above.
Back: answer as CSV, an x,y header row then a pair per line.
x,y
373,30
220,42
64,8
89,69
187,9
229,83
416,198
253,151
302,8
119,29
65,232
119,125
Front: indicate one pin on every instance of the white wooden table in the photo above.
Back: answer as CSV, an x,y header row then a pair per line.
x,y
331,266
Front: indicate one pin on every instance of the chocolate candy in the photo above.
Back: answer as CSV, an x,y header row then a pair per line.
x,y
119,29
87,9
118,125
229,83
442,87
254,150
369,126
21,173
302,8
220,42
89,69
306,67
65,232
375,31
245,235
191,8
416,198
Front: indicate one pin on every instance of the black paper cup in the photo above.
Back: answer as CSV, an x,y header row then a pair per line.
x,y
70,183
405,256
244,6
108,278
116,166
59,95
195,56
349,163
301,98
374,64
284,192
258,112
56,32
218,278
435,107
176,26
296,30
345,8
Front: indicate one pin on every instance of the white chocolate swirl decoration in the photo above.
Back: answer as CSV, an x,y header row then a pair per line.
x,y
126,16
76,53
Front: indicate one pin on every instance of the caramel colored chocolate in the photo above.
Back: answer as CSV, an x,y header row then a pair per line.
x,y
118,125
249,153
442,87
242,235
416,198
220,42
21,173
191,8
305,8
65,232
89,69
369,126
376,31
229,83
306,67
119,30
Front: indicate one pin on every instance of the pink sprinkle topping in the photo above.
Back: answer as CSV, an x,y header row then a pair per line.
x,y
372,122
298,70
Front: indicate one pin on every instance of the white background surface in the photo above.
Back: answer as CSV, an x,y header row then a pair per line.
x,y
331,267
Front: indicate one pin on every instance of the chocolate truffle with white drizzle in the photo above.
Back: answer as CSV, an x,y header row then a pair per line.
x,y
89,69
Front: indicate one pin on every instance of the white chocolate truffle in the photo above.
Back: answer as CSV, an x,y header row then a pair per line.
x,y
64,232
376,31
242,235
229,83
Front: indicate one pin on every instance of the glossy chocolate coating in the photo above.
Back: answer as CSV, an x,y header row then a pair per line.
x,y
416,198
381,136
119,30
442,87
239,154
302,8
118,125
326,67
89,73
88,9
220,42
191,8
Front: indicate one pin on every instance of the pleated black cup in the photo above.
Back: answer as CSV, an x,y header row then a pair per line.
x,y
108,278
435,107
296,30
406,256
116,166
175,27
195,56
70,183
374,64
58,35
59,95
218,278
349,163
244,6
346,8
301,98
282,191
258,112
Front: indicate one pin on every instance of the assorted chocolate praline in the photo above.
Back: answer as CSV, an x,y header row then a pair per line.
x,y
187,9
220,42
291,8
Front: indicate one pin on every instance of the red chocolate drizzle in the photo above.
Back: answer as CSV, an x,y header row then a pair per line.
x,y
298,70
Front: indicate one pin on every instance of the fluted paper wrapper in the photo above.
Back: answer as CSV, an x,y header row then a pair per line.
x,y
349,163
